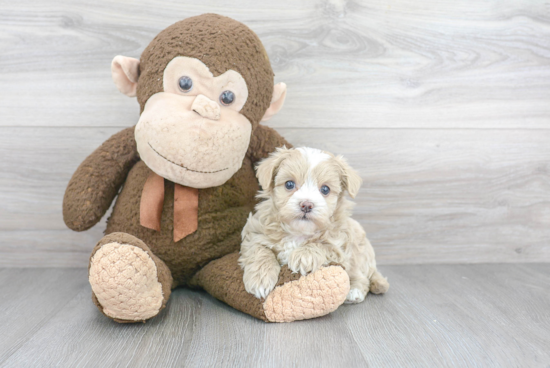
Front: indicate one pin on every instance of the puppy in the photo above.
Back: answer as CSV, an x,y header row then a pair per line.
x,y
304,222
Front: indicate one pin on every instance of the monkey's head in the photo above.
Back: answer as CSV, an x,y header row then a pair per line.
x,y
203,85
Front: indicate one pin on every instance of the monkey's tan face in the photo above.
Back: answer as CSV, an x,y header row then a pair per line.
x,y
193,133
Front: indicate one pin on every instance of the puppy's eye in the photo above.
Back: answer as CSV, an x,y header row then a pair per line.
x,y
290,185
325,190
227,98
185,83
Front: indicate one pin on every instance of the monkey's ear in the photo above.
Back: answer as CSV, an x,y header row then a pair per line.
x,y
277,101
351,180
125,71
267,168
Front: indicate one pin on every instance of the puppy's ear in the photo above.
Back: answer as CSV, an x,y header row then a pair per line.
x,y
351,181
267,168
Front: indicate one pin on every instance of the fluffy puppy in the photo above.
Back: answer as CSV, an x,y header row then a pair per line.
x,y
303,221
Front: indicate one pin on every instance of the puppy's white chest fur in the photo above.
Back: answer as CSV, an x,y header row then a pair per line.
x,y
289,244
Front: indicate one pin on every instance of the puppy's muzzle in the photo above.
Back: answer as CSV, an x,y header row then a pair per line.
x,y
306,206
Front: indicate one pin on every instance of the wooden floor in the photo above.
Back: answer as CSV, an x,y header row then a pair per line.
x,y
434,315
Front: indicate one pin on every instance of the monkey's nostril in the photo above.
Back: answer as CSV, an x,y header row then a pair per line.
x,y
306,206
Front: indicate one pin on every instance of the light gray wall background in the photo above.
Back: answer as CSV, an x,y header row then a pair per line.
x,y
442,106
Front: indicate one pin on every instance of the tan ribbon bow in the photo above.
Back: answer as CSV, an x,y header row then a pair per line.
x,y
186,206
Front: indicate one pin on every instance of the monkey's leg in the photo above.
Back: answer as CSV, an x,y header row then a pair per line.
x,y
294,298
129,283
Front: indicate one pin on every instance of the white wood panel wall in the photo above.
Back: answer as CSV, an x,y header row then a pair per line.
x,y
442,106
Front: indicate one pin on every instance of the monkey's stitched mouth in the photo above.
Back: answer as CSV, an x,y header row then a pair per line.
x,y
180,165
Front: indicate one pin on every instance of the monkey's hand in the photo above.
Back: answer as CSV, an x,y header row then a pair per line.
x,y
98,179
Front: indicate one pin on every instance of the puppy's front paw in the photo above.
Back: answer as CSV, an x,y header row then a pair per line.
x,y
305,260
260,280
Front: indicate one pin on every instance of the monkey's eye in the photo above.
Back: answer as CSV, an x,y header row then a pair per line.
x,y
227,98
325,190
290,185
186,84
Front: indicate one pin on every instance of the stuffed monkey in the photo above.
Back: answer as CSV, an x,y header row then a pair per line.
x,y
184,179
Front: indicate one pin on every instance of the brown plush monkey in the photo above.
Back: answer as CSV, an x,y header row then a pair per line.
x,y
187,179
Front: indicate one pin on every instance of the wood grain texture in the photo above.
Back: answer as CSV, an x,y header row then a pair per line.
x,y
434,315
30,298
429,196
429,64
441,106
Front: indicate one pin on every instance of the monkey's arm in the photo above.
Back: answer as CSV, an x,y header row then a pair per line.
x,y
264,140
98,179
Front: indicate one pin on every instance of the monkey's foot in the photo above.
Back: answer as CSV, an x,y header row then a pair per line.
x,y
129,283
294,297
310,296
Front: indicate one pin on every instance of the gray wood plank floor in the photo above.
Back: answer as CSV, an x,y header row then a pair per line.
x,y
486,315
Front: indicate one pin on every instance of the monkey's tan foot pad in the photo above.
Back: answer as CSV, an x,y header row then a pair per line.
x,y
310,296
125,282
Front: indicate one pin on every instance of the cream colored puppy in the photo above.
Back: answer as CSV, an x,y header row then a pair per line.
x,y
304,222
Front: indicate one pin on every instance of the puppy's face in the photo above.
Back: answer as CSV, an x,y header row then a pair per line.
x,y
306,185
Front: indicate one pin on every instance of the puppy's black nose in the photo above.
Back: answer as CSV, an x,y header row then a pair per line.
x,y
306,206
